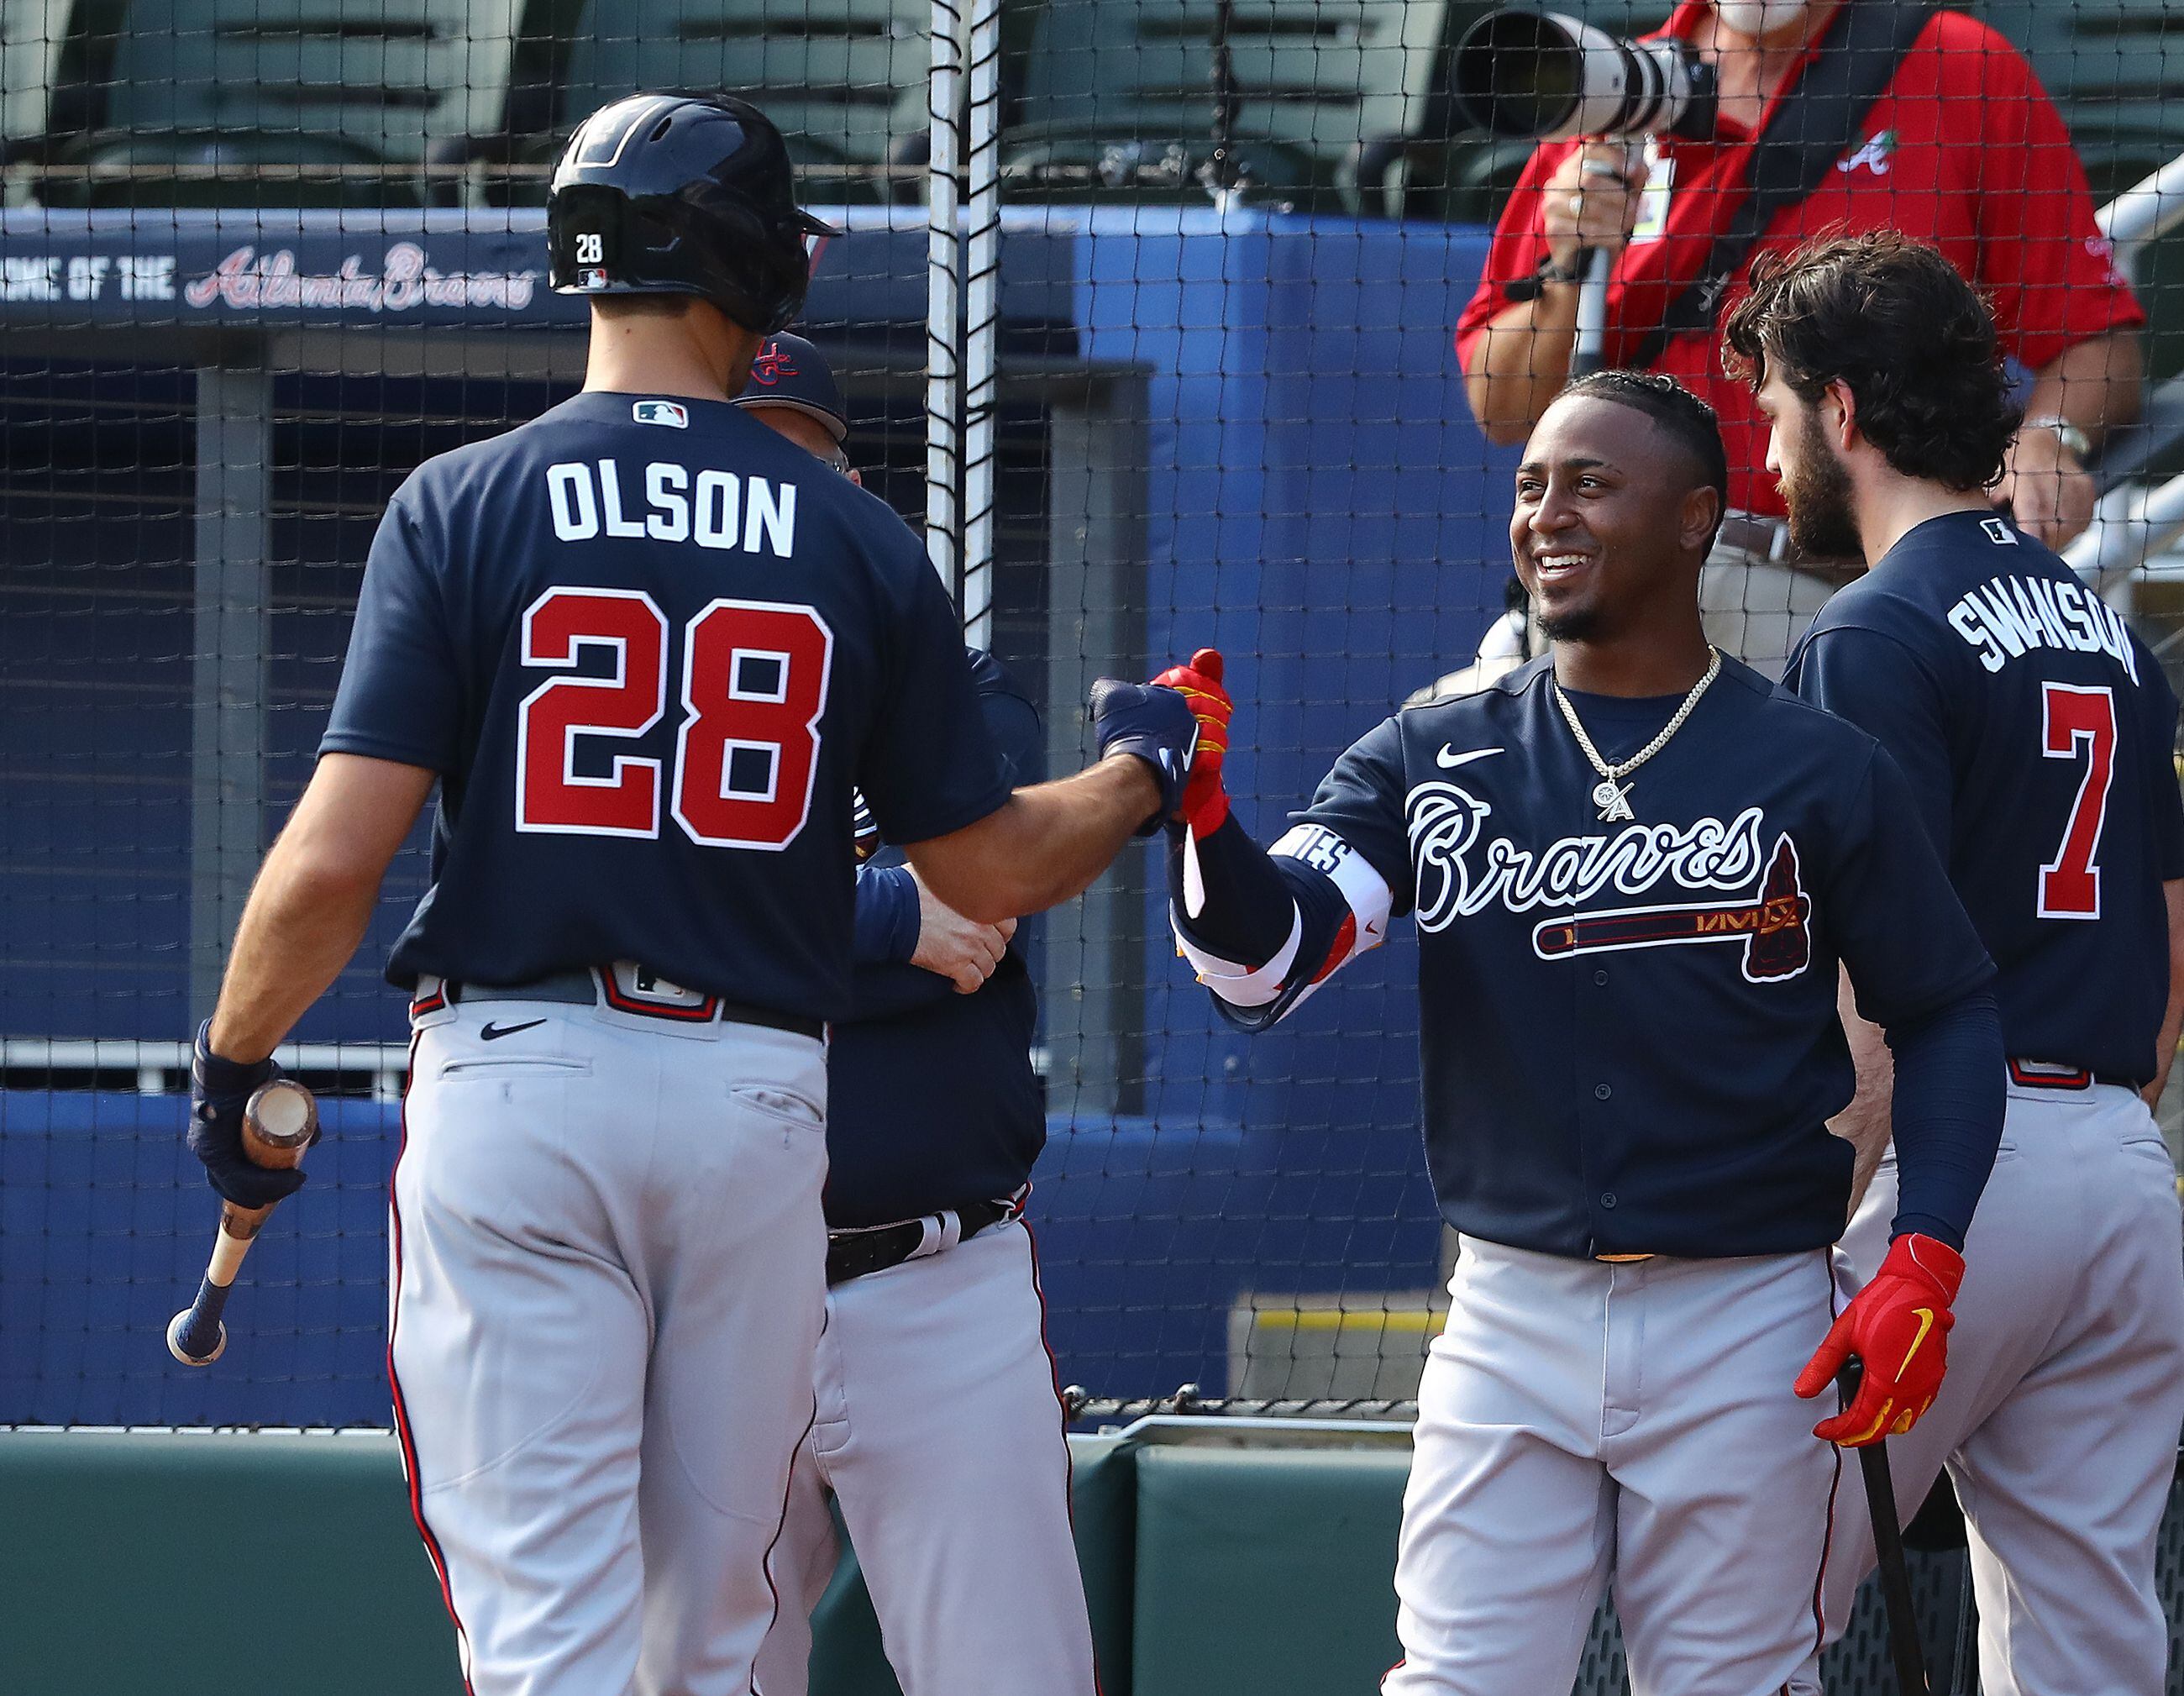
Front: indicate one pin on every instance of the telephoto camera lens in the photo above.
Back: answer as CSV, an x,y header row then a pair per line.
x,y
1544,76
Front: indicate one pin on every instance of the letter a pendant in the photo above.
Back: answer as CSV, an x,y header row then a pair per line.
x,y
1614,803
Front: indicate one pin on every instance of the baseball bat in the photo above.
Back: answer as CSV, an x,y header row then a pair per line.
x,y
280,1121
1903,1650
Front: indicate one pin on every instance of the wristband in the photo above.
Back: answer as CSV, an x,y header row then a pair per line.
x,y
1533,287
2080,444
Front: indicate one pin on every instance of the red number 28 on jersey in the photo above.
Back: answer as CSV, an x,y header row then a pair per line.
x,y
754,687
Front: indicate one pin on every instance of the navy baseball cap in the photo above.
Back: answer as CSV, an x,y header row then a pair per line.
x,y
788,372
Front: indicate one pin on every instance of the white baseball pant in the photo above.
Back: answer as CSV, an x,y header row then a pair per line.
x,y
2059,1419
1583,1424
939,1433
608,1281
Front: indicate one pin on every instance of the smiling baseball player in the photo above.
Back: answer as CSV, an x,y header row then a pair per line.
x,y
933,1382
2038,731
1634,866
645,647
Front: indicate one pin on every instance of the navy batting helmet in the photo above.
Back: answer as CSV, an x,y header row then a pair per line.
x,y
681,194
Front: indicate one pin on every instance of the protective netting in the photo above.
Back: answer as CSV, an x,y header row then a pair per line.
x,y
259,257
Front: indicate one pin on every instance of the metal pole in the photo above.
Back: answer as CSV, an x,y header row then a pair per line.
x,y
228,684
982,319
2143,213
944,394
2130,525
1223,174
1591,313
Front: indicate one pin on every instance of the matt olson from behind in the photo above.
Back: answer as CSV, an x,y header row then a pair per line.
x,y
2037,732
644,648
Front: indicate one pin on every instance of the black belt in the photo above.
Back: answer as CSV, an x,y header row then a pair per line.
x,y
857,1253
590,987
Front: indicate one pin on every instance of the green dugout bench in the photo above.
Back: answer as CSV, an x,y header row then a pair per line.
x,y
1221,1559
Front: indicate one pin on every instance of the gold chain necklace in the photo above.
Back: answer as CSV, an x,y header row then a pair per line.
x,y
1611,797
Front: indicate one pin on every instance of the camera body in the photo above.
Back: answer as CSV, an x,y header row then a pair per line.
x,y
1543,76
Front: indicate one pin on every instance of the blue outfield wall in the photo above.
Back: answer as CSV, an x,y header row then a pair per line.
x,y
1145,1235
1318,505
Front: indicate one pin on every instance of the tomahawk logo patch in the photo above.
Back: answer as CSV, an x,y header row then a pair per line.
x,y
1774,929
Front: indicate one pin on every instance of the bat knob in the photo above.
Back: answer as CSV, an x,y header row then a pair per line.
x,y
1207,662
194,1343
283,1115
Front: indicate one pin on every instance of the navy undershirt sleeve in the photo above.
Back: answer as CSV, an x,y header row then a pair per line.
x,y
887,915
1947,1114
1250,907
2162,779
1253,900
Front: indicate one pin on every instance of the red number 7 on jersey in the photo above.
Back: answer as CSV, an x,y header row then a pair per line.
x,y
754,682
2075,720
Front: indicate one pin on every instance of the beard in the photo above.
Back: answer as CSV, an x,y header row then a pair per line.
x,y
1822,523
1574,624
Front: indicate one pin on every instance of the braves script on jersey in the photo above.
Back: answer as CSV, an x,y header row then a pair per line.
x,y
1628,1035
648,644
2036,732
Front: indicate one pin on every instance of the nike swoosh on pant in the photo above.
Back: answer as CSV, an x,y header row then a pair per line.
x,y
493,1033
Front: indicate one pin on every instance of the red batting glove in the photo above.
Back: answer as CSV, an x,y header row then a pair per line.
x,y
1898,1327
1205,807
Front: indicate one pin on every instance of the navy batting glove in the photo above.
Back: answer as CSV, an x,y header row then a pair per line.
x,y
219,1090
1155,723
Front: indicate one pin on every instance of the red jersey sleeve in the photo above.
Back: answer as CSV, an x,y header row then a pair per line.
x,y
1517,250
2041,256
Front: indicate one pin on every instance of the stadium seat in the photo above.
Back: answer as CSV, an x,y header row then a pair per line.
x,y
283,101
2109,64
32,35
845,79
1121,95
2113,67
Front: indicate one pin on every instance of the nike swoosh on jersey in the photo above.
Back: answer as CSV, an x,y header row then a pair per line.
x,y
493,1033
1448,759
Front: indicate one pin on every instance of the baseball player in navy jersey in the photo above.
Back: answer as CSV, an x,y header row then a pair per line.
x,y
1634,866
2036,732
934,1383
791,390
645,647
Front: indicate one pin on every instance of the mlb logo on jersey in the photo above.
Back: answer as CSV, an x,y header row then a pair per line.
x,y
662,412
1998,532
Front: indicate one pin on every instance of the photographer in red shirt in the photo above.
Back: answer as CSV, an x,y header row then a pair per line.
x,y
1963,148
